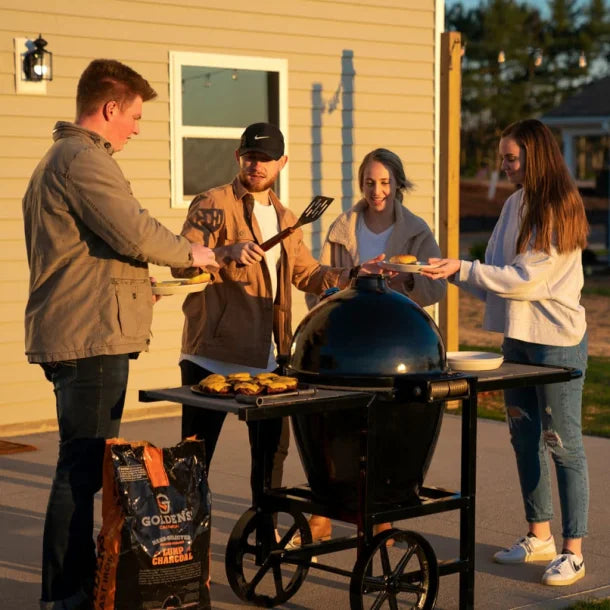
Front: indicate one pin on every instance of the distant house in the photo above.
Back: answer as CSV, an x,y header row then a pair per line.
x,y
585,114
340,78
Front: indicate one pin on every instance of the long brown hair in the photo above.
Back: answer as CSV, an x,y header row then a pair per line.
x,y
391,161
554,212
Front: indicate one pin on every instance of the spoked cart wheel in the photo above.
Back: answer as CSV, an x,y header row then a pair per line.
x,y
403,575
254,558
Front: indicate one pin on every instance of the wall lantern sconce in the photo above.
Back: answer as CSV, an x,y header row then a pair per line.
x,y
38,62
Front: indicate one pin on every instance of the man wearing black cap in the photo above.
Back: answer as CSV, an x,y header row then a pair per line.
x,y
242,321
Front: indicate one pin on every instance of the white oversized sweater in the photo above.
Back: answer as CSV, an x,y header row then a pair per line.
x,y
533,296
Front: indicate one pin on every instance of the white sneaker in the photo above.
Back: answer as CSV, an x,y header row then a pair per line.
x,y
565,569
528,548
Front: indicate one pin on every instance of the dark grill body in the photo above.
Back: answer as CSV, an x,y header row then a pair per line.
x,y
369,336
365,333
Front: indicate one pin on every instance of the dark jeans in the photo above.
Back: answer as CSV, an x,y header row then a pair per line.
x,y
272,435
89,396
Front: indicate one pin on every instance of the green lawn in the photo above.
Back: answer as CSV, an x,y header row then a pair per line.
x,y
603,291
596,396
599,604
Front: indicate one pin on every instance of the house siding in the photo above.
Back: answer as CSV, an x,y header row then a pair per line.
x,y
390,45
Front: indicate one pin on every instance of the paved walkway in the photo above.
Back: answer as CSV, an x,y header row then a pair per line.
x,y
26,477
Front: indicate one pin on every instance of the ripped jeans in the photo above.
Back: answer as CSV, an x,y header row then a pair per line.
x,y
546,420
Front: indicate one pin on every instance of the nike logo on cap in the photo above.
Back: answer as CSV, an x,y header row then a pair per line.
x,y
261,137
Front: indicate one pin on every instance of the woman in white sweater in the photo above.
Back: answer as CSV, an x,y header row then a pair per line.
x,y
531,282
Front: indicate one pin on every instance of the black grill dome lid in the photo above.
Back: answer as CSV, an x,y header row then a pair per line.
x,y
366,334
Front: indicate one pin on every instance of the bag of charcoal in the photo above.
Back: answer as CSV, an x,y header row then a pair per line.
x,y
154,544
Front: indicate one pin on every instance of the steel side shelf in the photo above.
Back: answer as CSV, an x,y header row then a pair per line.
x,y
508,375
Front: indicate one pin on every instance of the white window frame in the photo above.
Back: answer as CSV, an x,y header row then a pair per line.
x,y
178,131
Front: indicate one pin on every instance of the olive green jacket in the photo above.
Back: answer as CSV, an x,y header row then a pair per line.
x,y
88,243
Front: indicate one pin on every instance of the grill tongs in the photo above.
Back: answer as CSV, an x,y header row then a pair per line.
x,y
312,212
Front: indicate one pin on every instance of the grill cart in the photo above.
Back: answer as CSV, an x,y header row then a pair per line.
x,y
366,419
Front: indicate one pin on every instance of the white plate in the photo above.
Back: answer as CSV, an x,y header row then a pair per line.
x,y
410,268
176,287
474,361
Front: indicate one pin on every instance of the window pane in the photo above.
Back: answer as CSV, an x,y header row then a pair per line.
x,y
207,163
222,97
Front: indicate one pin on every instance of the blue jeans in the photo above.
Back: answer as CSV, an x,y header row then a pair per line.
x,y
549,417
89,396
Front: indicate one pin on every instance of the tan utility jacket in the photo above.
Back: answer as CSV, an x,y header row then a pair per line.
x,y
234,318
88,241
410,235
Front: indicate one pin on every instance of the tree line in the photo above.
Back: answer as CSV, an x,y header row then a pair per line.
x,y
519,62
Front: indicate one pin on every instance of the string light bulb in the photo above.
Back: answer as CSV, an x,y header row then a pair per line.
x,y
582,60
501,57
234,75
538,58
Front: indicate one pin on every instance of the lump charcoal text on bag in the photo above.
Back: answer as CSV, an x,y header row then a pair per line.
x,y
153,548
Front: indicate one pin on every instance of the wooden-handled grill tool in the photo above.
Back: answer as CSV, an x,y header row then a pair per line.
x,y
312,212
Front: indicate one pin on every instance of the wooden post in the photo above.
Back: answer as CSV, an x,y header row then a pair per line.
x,y
449,176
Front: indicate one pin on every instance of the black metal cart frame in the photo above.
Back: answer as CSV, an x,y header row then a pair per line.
x,y
297,500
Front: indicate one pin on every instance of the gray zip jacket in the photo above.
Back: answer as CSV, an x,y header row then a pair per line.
x,y
88,244
410,235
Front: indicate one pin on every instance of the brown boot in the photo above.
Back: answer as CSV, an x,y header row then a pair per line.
x,y
383,527
320,527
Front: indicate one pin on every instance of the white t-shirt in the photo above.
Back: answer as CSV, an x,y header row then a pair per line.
x,y
266,216
370,244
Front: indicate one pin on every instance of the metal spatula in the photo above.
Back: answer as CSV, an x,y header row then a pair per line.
x,y
312,212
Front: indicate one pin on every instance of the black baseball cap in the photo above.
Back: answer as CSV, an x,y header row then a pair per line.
x,y
264,138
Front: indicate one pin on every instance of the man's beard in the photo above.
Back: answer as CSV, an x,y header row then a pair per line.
x,y
257,187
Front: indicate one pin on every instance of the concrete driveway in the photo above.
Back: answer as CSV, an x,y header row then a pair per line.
x,y
26,477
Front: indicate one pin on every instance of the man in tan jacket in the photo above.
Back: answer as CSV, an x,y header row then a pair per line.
x,y
242,321
90,304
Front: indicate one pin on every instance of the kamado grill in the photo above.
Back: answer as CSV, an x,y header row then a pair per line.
x,y
365,437
373,339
